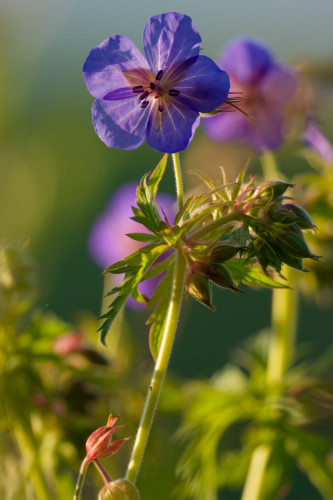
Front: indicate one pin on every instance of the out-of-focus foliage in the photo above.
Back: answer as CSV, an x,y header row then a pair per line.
x,y
236,411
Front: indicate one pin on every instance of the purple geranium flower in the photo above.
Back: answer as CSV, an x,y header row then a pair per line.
x,y
159,98
108,242
267,87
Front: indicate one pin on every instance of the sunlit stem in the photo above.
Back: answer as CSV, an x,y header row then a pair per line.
x,y
280,353
269,167
162,361
256,473
178,179
169,331
284,306
215,225
284,328
80,479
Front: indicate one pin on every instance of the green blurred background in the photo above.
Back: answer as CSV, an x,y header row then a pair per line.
x,y
56,175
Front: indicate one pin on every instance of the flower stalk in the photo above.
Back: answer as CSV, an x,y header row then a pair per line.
x,y
162,361
169,330
80,479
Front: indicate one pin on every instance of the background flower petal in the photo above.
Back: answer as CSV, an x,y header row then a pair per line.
x,y
172,130
120,124
204,84
112,65
168,39
247,59
278,86
230,126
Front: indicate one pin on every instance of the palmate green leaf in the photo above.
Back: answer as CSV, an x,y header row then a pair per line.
x,y
146,193
134,266
311,453
250,275
160,302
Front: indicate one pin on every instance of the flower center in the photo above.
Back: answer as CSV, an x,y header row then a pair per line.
x,y
154,90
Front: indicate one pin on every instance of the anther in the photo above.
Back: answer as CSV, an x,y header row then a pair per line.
x,y
152,85
138,89
144,95
160,108
159,74
144,104
173,92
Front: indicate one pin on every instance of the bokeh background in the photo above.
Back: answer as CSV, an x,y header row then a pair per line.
x,y
56,175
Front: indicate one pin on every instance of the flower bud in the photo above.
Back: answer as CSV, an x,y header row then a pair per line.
x,y
294,262
273,190
292,242
121,489
303,219
199,287
97,444
265,254
221,252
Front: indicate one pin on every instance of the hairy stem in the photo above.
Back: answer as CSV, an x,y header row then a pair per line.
x,y
178,179
162,361
80,479
169,330
284,327
216,224
280,353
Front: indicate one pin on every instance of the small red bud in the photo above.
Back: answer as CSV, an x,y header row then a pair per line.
x,y
97,444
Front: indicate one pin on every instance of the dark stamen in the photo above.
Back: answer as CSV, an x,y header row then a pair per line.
x,y
138,89
173,92
160,108
144,95
159,74
152,85
144,104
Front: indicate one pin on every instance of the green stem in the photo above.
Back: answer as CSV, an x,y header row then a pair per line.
x,y
256,473
162,361
269,167
169,330
178,178
80,479
284,306
284,327
216,224
280,353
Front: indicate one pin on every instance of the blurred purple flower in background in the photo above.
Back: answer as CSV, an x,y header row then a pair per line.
x,y
267,87
159,98
314,139
108,242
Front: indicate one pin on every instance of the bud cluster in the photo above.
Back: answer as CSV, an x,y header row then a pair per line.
x,y
275,229
206,267
269,231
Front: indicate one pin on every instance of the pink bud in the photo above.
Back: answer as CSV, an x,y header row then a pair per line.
x,y
98,444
